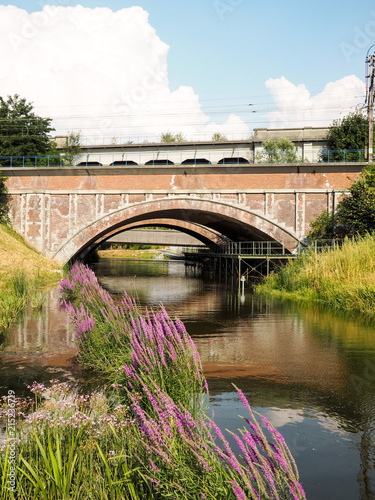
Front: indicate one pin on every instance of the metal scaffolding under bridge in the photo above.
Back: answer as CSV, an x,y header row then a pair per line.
x,y
249,258
252,258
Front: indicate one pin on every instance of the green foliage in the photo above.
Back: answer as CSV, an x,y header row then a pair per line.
x,y
180,137
4,209
281,151
323,227
136,246
20,284
73,143
218,137
355,213
341,278
170,137
22,132
349,133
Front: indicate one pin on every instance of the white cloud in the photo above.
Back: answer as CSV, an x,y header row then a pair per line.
x,y
297,108
283,416
102,72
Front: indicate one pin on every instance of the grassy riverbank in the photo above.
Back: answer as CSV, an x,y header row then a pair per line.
x,y
343,279
23,274
129,254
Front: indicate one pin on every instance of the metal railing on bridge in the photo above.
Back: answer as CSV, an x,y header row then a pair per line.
x,y
262,249
181,159
241,248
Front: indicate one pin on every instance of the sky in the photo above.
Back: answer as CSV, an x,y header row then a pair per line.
x,y
119,71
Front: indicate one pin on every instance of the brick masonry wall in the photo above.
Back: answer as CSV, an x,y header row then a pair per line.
x,y
62,211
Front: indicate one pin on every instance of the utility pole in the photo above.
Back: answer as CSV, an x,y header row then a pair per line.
x,y
370,61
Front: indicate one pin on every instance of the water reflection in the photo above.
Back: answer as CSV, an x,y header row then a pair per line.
x,y
311,372
43,332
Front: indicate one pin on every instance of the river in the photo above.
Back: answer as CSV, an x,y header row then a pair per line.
x,y
311,372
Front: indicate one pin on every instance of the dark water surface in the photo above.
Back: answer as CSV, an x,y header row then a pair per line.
x,y
312,373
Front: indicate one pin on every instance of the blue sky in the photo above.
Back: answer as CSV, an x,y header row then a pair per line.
x,y
227,50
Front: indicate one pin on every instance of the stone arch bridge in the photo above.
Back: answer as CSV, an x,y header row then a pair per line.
x,y
65,212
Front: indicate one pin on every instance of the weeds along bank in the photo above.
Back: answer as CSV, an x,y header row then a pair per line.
x,y
343,278
149,435
23,274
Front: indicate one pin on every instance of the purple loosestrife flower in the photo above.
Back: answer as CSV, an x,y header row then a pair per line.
x,y
146,329
238,491
274,432
280,458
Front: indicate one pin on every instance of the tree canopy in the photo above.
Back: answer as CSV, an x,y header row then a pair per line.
x,y
349,133
282,150
355,213
22,132
3,206
73,143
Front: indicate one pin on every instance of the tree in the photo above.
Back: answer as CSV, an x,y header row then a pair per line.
x,y
73,143
323,227
281,151
22,132
218,137
355,213
3,206
348,134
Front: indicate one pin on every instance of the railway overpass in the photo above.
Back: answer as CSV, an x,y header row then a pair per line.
x,y
66,211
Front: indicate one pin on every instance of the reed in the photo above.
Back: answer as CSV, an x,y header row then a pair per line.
x,y
342,278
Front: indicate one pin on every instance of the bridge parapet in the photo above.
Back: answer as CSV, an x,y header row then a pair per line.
x,y
184,157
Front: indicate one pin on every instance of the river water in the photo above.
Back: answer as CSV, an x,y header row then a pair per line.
x,y
311,372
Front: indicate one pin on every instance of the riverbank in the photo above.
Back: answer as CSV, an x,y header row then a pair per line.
x,y
343,279
23,275
130,254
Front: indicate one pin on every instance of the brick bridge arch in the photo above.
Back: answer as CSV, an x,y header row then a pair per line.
x,y
218,217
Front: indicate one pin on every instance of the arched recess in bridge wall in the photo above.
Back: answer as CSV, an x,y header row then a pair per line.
x,y
235,223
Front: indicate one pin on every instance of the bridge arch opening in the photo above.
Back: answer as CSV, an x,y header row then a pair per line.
x,y
195,235
194,215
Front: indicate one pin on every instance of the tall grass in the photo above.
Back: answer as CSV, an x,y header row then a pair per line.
x,y
13,301
342,278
